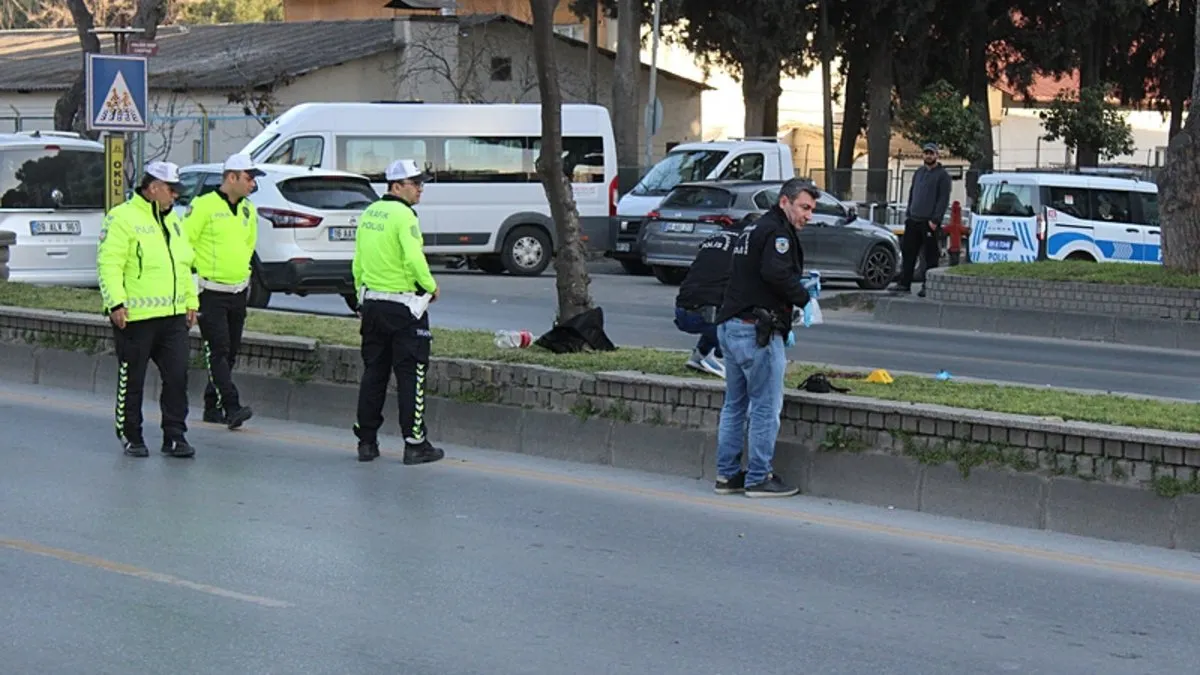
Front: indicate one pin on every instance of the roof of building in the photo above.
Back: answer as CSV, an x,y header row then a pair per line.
x,y
223,56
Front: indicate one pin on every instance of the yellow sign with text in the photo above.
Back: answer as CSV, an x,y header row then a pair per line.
x,y
114,171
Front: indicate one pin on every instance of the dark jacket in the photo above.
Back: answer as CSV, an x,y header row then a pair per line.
x,y
709,274
929,196
765,271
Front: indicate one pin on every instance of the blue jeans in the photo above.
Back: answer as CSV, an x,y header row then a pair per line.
x,y
694,324
754,390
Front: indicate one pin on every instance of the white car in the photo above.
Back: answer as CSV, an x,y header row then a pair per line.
x,y
307,218
52,198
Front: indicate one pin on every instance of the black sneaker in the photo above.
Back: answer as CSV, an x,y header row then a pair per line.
x,y
367,451
771,487
728,486
177,447
921,293
238,416
422,454
136,449
214,416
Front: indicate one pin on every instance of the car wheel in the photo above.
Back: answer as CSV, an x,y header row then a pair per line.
x,y
491,264
527,251
671,276
878,269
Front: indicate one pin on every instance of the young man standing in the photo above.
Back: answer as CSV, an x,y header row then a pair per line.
x,y
223,229
928,199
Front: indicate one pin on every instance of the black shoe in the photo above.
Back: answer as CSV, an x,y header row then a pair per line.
x,y
367,450
214,416
177,447
238,416
728,486
771,487
921,293
136,449
422,454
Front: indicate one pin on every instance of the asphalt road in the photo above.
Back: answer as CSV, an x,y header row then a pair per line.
x,y
274,551
639,311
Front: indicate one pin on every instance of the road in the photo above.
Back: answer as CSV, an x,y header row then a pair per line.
x,y
639,311
274,551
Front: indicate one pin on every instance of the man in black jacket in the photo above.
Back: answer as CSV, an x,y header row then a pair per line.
x,y
928,199
700,297
755,317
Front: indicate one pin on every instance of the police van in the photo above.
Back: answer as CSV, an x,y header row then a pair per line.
x,y
485,201
1028,216
52,197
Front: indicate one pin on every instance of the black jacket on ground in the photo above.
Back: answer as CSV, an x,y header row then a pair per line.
x,y
709,274
929,196
765,270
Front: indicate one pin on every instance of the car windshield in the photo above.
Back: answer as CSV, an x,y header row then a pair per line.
x,y
51,178
698,198
329,193
678,167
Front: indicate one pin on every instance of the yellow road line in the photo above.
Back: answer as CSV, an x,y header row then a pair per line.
x,y
136,572
734,504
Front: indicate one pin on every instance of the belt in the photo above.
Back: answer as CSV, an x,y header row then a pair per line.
x,y
206,285
402,298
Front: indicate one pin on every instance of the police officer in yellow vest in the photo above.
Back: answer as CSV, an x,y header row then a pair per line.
x,y
223,229
144,266
394,288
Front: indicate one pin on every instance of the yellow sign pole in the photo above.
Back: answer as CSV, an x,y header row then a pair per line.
x,y
114,173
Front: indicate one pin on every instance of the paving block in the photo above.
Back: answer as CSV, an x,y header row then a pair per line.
x,y
660,449
565,436
1148,333
1187,523
1105,511
18,363
328,404
479,425
865,478
988,495
67,369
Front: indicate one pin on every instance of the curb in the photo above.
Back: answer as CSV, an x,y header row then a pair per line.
x,y
994,495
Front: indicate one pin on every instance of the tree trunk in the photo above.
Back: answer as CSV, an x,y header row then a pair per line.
x,y
879,120
760,93
978,93
593,53
570,263
853,97
1089,76
625,110
1179,184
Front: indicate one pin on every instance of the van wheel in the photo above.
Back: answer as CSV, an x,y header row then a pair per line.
x,y
671,276
490,264
260,296
1080,255
527,251
878,269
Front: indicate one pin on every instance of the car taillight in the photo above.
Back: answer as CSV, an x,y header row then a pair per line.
x,y
289,219
612,197
719,220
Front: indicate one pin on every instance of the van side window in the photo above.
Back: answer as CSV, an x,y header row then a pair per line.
x,y
745,167
1007,199
371,155
583,158
1149,213
486,160
1072,201
302,151
1111,206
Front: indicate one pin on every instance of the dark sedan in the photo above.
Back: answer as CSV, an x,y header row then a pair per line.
x,y
836,242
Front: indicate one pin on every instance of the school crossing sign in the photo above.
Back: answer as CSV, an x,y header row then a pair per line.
x,y
117,93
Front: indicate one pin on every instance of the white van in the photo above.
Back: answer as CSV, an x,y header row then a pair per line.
x,y
1028,216
52,197
689,162
486,200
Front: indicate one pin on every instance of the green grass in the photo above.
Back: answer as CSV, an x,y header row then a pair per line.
x,y
1106,409
1080,271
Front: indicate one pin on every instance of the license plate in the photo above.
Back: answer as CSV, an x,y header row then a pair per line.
x,y
999,244
54,227
678,227
342,233
623,247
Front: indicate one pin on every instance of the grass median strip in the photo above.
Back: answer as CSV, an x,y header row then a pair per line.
x,y
1107,409
1082,272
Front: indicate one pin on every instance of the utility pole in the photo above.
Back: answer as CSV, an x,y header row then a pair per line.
x,y
831,182
652,117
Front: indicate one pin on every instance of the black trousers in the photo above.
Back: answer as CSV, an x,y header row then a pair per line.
x,y
164,341
222,320
393,343
918,239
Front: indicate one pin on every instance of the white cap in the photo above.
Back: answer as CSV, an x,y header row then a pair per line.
x,y
167,172
242,162
405,169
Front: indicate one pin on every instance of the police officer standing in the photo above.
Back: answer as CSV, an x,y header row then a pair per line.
x,y
756,314
394,288
223,229
144,266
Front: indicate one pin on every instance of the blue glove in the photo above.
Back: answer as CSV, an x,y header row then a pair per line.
x,y
791,339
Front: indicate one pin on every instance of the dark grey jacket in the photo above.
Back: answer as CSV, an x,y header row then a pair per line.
x,y
929,196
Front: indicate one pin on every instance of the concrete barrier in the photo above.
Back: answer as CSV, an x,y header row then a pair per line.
x,y
1117,483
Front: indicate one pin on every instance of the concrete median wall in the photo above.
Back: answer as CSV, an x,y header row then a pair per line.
x,y
1109,482
1134,315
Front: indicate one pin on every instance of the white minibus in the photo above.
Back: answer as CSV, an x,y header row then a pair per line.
x,y
485,201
